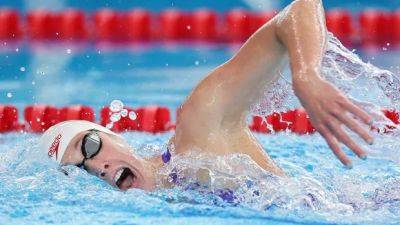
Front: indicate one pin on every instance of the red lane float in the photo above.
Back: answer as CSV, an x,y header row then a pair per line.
x,y
396,27
296,121
237,23
73,25
174,25
43,25
107,25
8,118
375,27
40,117
10,27
151,119
302,123
204,25
393,115
339,22
77,112
124,124
137,25
241,24
154,119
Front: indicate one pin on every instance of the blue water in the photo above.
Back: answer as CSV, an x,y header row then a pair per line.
x,y
32,191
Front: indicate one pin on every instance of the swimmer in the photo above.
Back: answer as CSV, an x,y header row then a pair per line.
x,y
213,117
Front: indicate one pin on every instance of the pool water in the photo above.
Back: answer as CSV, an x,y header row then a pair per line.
x,y
319,189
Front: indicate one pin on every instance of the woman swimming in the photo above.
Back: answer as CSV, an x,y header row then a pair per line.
x,y
213,118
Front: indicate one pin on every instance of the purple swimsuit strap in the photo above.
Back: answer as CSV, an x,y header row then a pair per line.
x,y
166,156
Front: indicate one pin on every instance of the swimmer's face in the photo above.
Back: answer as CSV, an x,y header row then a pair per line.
x,y
114,163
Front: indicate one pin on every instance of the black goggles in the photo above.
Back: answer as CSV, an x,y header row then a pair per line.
x,y
91,145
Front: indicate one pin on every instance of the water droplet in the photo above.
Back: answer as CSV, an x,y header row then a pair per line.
x,y
188,27
124,112
116,106
9,95
22,69
17,49
33,82
69,51
115,117
196,62
132,115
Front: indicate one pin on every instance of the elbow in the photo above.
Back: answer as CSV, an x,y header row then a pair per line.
x,y
305,3
292,16
306,7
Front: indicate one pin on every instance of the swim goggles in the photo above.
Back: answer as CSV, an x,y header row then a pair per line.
x,y
91,145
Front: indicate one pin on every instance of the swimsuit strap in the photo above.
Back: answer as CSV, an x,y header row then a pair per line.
x,y
166,156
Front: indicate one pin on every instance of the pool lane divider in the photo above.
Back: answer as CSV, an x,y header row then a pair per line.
x,y
369,27
151,119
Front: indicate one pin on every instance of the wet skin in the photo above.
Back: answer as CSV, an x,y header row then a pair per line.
x,y
213,117
113,156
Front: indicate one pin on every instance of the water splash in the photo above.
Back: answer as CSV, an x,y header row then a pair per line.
x,y
343,68
329,194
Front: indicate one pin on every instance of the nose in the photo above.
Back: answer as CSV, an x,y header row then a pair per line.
x,y
103,174
98,167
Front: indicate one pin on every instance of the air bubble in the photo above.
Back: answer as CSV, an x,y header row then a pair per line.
x,y
115,117
22,69
132,115
9,95
109,125
116,106
124,112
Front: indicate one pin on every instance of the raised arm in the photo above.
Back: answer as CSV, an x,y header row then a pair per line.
x,y
220,103
304,35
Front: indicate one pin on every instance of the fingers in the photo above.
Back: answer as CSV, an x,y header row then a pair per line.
x,y
343,137
334,145
355,126
360,113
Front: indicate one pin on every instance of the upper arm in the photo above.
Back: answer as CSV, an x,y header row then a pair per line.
x,y
234,86
221,101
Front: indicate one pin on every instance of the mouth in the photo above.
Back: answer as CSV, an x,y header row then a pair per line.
x,y
125,178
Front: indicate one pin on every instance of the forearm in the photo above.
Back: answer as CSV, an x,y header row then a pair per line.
x,y
301,29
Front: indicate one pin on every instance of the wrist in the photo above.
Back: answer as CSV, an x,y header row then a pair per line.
x,y
305,74
305,78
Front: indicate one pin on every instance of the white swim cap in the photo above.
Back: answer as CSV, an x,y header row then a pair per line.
x,y
56,139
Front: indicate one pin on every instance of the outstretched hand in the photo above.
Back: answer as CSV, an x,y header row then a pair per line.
x,y
329,109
